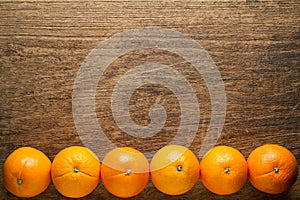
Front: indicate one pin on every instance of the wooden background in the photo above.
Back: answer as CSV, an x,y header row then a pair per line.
x,y
255,45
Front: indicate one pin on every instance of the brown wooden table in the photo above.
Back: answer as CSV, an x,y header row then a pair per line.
x,y
254,44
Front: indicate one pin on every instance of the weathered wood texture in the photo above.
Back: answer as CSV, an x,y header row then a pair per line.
x,y
255,45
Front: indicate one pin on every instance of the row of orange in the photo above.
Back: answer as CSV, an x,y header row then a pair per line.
x,y
174,170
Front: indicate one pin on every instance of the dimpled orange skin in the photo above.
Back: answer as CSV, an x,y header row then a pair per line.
x,y
272,168
125,172
223,170
75,171
174,170
26,172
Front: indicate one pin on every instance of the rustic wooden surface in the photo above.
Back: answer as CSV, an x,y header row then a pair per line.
x,y
255,45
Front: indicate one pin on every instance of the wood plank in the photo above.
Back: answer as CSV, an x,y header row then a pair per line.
x,y
254,44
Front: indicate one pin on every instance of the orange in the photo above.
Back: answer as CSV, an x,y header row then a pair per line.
x,y
223,170
26,172
174,170
75,171
273,169
125,172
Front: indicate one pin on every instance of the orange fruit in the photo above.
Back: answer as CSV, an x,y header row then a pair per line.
x,y
75,171
125,172
223,170
174,170
272,168
26,172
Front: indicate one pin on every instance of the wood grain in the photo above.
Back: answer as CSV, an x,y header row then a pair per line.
x,y
255,45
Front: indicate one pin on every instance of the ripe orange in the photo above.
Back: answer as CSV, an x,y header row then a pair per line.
x,y
125,172
272,168
174,169
223,170
26,172
75,171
